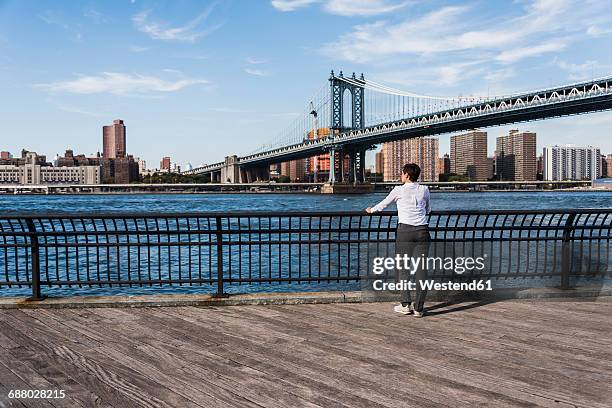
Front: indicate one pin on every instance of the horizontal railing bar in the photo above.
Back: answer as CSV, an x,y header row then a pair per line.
x,y
305,242
349,229
315,214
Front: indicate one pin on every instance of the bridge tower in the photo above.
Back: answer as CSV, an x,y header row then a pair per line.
x,y
338,86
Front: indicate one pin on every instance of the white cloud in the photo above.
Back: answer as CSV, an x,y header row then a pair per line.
x,y
500,74
444,75
595,31
430,33
191,31
362,7
256,72
80,111
343,7
578,72
291,5
516,54
120,84
452,29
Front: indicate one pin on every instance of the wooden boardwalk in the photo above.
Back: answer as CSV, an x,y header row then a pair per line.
x,y
512,353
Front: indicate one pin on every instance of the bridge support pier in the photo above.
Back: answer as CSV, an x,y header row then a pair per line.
x,y
230,171
342,183
332,166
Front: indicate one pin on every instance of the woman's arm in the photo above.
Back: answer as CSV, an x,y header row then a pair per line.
x,y
426,198
384,203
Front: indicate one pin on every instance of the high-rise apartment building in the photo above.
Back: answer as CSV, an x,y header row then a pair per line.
x,y
571,163
379,164
164,164
317,164
515,156
444,164
113,140
540,167
423,151
142,165
469,155
295,170
609,164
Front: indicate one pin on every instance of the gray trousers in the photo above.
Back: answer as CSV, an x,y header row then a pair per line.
x,y
413,241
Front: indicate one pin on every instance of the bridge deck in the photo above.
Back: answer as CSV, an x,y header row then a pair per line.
x,y
513,353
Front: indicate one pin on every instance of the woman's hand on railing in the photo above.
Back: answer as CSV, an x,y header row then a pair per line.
x,y
369,210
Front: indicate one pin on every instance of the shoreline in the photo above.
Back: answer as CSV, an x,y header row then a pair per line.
x,y
433,191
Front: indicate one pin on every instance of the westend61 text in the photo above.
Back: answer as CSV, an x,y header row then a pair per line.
x,y
430,284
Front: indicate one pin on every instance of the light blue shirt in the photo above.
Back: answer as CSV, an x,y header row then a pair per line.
x,y
412,200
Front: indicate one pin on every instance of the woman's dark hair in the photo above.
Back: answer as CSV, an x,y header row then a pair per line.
x,y
413,171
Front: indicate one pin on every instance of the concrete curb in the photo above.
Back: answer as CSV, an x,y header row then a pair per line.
x,y
294,298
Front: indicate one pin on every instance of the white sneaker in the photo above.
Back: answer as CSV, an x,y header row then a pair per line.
x,y
417,314
405,310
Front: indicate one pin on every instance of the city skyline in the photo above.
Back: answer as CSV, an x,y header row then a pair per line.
x,y
181,74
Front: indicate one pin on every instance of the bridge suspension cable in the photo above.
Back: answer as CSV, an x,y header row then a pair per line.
x,y
299,129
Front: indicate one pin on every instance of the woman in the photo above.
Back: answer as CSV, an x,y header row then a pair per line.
x,y
412,237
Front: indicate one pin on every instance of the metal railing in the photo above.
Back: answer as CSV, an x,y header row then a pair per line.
x,y
252,248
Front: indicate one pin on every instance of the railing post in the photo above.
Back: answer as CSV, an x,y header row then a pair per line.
x,y
565,251
35,256
219,236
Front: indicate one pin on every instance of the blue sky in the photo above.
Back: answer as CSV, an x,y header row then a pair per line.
x,y
197,80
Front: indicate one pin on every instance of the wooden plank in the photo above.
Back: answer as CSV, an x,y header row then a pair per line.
x,y
517,353
147,360
358,367
45,364
121,388
474,374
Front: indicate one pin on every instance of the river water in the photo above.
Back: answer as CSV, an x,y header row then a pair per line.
x,y
294,202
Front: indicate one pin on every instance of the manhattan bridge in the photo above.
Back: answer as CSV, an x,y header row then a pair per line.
x,y
351,115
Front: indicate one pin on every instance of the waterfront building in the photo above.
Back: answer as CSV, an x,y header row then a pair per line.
x,y
320,163
605,170
5,156
469,155
608,160
113,140
540,167
120,170
490,167
31,172
379,162
295,170
515,156
571,163
164,164
142,165
275,170
444,164
423,151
